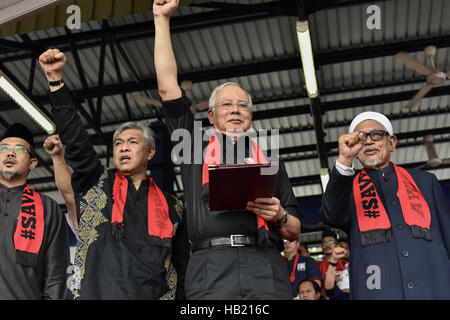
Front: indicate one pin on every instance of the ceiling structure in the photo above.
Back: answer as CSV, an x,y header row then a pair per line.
x,y
253,43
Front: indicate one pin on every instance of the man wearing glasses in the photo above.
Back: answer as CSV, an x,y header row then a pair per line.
x,y
398,219
34,247
329,243
329,264
218,268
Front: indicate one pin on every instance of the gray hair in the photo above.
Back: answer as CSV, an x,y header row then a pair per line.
x,y
148,133
212,98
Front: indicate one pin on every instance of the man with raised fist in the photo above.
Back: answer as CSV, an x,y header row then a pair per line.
x,y
397,219
235,253
131,243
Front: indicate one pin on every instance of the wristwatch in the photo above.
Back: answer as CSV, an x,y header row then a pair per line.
x,y
280,223
332,264
55,83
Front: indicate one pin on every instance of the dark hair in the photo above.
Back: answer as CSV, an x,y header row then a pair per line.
x,y
329,233
18,130
314,284
33,153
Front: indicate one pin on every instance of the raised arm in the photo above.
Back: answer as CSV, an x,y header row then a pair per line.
x,y
330,276
165,63
79,154
336,199
63,176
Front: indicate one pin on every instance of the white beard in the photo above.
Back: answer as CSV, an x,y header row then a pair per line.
x,y
372,163
8,175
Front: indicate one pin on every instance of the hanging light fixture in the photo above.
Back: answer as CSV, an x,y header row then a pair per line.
x,y
26,104
304,42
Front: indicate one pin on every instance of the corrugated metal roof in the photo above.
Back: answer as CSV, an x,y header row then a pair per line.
x,y
272,40
56,16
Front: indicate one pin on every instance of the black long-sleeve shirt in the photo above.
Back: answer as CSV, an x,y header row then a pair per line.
x,y
136,267
202,223
48,279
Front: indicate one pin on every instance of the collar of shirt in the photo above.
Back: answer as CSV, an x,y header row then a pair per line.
x,y
12,189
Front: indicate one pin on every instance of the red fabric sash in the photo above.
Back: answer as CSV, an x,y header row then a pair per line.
x,y
30,228
213,157
294,267
372,217
159,223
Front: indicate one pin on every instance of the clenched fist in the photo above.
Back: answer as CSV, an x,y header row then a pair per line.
x,y
350,145
164,8
52,62
53,145
338,253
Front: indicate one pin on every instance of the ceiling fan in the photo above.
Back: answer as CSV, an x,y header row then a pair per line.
x,y
434,76
433,160
186,86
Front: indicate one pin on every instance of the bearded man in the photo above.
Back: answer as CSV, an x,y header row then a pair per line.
x,y
398,219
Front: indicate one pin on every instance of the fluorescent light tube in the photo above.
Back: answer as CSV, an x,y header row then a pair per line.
x,y
26,104
304,42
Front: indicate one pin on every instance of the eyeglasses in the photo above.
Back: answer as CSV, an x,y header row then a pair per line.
x,y
228,104
18,148
375,135
329,242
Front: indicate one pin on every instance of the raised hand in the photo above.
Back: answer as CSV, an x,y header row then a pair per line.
x,y
164,8
52,62
350,145
338,253
53,145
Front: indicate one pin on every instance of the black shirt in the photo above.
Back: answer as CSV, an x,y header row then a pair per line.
x,y
202,223
138,266
48,279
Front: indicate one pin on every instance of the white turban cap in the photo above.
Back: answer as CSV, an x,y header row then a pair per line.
x,y
371,115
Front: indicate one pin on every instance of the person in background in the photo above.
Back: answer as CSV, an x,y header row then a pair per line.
x,y
304,250
333,289
343,243
299,267
309,290
329,243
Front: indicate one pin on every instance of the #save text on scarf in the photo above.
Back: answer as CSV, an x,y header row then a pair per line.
x,y
30,228
373,220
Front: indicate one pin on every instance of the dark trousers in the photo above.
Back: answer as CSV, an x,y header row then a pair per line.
x,y
226,273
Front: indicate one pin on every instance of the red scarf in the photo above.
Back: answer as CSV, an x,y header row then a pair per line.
x,y
373,219
30,228
213,157
294,266
159,223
